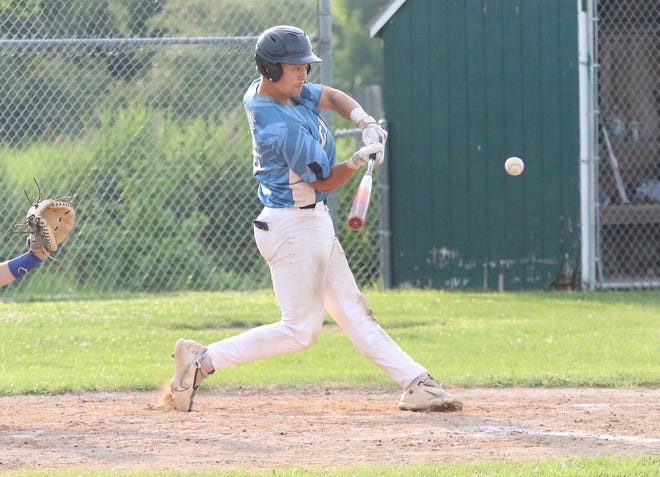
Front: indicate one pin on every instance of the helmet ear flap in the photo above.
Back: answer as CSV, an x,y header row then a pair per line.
x,y
272,71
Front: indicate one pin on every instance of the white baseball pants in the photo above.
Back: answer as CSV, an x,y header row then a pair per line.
x,y
310,274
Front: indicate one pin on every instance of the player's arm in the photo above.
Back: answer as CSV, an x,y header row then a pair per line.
x,y
336,100
49,222
20,266
342,172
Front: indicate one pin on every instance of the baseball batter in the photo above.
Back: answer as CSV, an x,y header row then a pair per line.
x,y
295,167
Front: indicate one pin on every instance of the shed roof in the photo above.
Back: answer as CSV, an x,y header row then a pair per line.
x,y
381,20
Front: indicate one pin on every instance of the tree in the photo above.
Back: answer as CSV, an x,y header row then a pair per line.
x,y
357,58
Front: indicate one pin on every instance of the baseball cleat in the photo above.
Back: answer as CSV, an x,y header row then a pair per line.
x,y
188,372
425,394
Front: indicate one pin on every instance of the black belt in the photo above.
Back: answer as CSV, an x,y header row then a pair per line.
x,y
311,206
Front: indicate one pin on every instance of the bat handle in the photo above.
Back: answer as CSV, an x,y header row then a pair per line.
x,y
370,165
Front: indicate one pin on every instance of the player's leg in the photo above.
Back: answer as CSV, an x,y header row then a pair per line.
x,y
296,247
351,310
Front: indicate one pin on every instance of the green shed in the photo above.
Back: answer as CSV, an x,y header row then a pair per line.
x,y
467,84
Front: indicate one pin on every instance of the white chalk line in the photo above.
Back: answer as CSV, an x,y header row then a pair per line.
x,y
512,431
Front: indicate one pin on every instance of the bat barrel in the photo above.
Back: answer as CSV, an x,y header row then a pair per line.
x,y
360,206
355,223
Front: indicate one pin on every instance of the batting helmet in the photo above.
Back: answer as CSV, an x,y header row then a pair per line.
x,y
283,44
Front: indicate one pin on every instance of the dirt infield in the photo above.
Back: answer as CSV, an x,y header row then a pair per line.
x,y
312,428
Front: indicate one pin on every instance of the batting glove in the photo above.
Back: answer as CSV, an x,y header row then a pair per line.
x,y
372,132
362,155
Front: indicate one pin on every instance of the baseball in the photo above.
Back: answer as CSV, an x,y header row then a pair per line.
x,y
514,166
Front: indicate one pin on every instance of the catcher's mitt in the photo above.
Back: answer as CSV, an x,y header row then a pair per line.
x,y
49,222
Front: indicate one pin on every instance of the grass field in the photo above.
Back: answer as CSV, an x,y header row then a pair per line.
x,y
467,339
596,467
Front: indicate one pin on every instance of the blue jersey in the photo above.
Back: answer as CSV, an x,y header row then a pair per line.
x,y
291,146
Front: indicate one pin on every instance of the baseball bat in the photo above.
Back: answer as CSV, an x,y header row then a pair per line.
x,y
362,197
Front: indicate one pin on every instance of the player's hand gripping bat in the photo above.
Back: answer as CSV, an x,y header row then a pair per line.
x,y
362,197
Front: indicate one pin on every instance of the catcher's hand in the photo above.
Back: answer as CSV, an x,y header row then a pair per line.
x,y
49,222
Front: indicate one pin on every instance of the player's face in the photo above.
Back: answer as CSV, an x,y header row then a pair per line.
x,y
292,80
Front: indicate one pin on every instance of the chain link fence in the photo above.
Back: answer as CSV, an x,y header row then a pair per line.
x,y
136,107
629,134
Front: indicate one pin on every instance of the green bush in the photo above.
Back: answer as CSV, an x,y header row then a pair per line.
x,y
161,201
